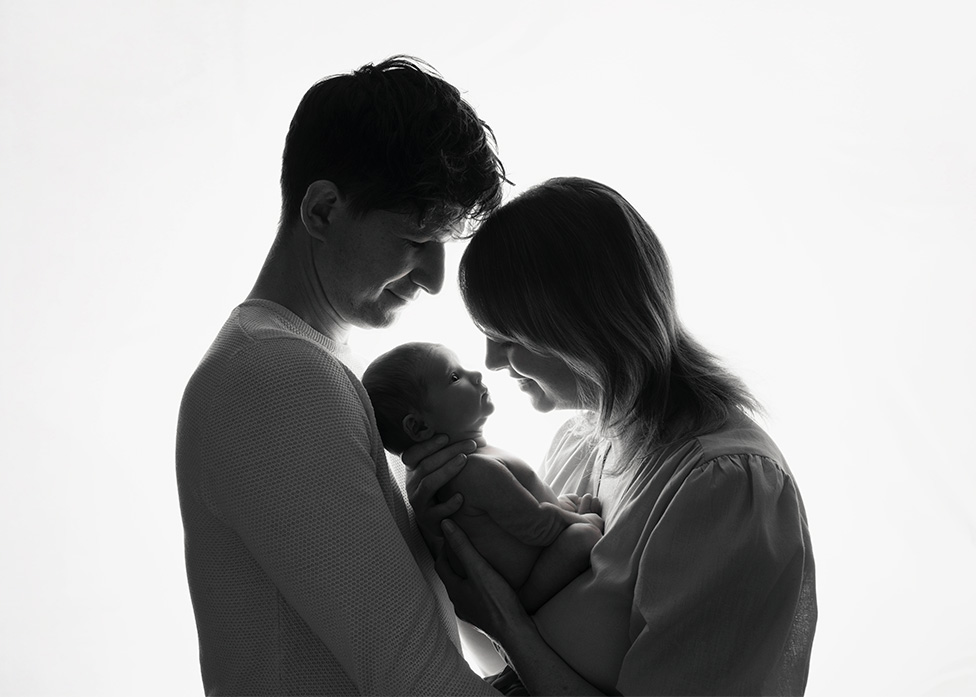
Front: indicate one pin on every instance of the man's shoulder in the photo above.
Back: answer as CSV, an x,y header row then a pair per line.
x,y
254,357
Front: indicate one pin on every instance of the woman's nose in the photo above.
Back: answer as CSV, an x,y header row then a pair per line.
x,y
494,356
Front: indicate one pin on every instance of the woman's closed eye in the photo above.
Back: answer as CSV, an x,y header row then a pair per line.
x,y
499,342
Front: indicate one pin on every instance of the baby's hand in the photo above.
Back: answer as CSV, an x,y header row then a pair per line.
x,y
573,509
590,508
569,502
587,503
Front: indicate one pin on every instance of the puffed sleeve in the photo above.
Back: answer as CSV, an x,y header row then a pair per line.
x,y
719,583
298,485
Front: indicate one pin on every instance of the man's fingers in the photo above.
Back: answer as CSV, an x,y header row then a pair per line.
x,y
416,453
424,458
434,462
442,565
448,508
461,546
420,487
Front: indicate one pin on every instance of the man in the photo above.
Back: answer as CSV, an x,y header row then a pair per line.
x,y
306,570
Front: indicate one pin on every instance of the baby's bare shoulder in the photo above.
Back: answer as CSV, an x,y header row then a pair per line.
x,y
502,457
487,467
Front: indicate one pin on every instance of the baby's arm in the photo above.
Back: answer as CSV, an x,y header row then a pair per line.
x,y
527,477
492,486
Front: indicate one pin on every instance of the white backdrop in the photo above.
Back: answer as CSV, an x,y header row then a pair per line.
x,y
810,168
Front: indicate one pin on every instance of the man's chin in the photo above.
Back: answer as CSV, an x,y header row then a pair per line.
x,y
378,318
376,322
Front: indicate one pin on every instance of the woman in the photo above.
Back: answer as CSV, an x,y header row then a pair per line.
x,y
704,580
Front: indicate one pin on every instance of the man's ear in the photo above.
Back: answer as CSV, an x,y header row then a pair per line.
x,y
416,428
319,207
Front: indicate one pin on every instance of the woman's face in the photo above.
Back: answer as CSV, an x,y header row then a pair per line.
x,y
547,380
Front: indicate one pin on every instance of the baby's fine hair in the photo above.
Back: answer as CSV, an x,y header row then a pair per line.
x,y
395,384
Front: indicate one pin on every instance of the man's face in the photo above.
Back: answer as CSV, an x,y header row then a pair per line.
x,y
373,265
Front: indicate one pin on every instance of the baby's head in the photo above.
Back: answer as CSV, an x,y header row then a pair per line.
x,y
419,389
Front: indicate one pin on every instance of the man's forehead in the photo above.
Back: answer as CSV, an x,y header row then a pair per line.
x,y
444,232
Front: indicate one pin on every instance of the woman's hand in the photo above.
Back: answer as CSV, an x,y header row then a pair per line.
x,y
479,593
430,465
483,598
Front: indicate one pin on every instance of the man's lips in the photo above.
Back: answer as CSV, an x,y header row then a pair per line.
x,y
403,296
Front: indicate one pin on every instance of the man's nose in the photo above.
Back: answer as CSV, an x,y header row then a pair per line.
x,y
494,355
429,272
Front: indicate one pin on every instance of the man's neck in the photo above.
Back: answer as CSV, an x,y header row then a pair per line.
x,y
289,278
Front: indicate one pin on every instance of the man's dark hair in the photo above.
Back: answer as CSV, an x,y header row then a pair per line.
x,y
393,136
396,386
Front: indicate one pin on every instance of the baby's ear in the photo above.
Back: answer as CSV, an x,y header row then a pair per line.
x,y
416,428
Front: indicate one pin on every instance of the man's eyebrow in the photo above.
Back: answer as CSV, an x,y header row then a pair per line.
x,y
446,233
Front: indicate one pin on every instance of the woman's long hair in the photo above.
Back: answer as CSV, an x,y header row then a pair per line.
x,y
570,269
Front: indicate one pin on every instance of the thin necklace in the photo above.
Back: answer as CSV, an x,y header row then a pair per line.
x,y
603,466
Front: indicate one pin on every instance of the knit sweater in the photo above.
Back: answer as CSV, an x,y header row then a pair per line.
x,y
306,570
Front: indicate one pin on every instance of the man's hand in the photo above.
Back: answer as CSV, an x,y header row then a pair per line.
x,y
430,465
479,593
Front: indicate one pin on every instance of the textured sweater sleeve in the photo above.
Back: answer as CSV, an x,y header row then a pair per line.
x,y
718,582
292,472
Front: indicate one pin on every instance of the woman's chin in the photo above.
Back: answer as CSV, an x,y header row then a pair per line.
x,y
541,403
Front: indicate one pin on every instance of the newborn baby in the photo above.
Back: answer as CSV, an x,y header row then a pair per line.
x,y
537,541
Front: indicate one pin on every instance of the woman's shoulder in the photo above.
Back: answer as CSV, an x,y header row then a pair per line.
x,y
737,452
740,440
738,461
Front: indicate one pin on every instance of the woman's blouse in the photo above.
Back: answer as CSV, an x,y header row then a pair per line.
x,y
703,582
